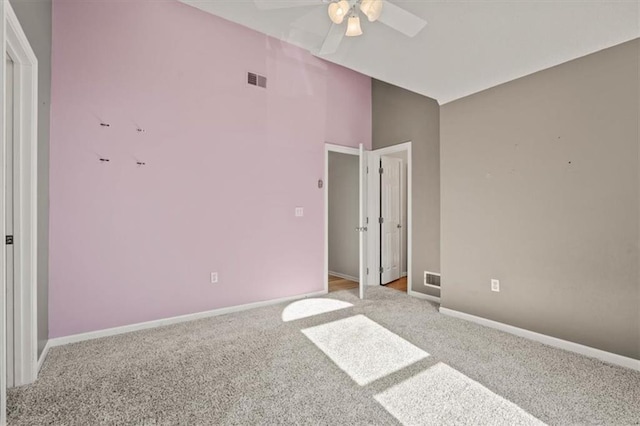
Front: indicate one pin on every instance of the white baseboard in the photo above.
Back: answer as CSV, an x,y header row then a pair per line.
x,y
423,296
74,338
344,276
609,357
43,356
404,274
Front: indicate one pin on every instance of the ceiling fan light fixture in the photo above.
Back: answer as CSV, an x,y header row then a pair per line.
x,y
333,14
353,26
371,8
345,6
338,10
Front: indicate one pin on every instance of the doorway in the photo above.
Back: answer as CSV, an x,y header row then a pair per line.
x,y
345,196
390,207
393,220
343,221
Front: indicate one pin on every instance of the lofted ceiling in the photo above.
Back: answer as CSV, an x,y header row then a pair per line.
x,y
466,47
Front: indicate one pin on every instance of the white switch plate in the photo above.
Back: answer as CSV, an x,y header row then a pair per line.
x,y
299,211
495,285
214,277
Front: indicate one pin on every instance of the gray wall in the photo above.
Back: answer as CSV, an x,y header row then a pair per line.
x,y
540,189
400,116
343,214
35,19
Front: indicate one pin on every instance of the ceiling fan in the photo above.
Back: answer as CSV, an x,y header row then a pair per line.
x,y
350,10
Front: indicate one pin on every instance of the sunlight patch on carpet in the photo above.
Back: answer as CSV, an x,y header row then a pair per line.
x,y
442,395
363,349
310,307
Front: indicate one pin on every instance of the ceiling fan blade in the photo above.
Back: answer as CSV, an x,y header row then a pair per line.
x,y
313,22
401,20
333,40
284,4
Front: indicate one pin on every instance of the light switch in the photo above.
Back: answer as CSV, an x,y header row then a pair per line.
x,y
299,211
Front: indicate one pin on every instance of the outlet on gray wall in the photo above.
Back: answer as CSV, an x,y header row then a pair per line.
x,y
540,185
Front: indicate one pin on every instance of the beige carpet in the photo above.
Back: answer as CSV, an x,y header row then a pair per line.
x,y
390,359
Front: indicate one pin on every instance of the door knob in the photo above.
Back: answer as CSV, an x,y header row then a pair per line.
x,y
399,226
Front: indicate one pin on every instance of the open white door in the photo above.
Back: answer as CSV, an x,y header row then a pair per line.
x,y
363,220
390,217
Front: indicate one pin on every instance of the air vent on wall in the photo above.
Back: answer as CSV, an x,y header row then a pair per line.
x,y
431,279
257,80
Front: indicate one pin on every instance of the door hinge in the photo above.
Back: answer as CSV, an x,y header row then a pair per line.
x,y
381,220
9,239
381,170
381,270
367,169
367,220
367,271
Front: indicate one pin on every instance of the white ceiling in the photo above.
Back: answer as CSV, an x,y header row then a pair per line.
x,y
466,47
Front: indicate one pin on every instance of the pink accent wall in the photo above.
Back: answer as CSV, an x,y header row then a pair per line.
x,y
226,163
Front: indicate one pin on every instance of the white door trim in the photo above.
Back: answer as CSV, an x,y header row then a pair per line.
x,y
329,147
25,196
3,252
363,220
374,207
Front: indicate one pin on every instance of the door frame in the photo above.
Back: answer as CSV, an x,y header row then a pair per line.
x,y
25,139
329,147
374,209
3,252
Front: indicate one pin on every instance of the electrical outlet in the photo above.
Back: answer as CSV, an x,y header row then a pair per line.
x,y
299,211
495,285
214,277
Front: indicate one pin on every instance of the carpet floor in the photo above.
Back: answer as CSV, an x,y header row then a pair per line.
x,y
389,359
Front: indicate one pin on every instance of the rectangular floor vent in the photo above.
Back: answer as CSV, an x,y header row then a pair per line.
x,y
256,80
431,279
